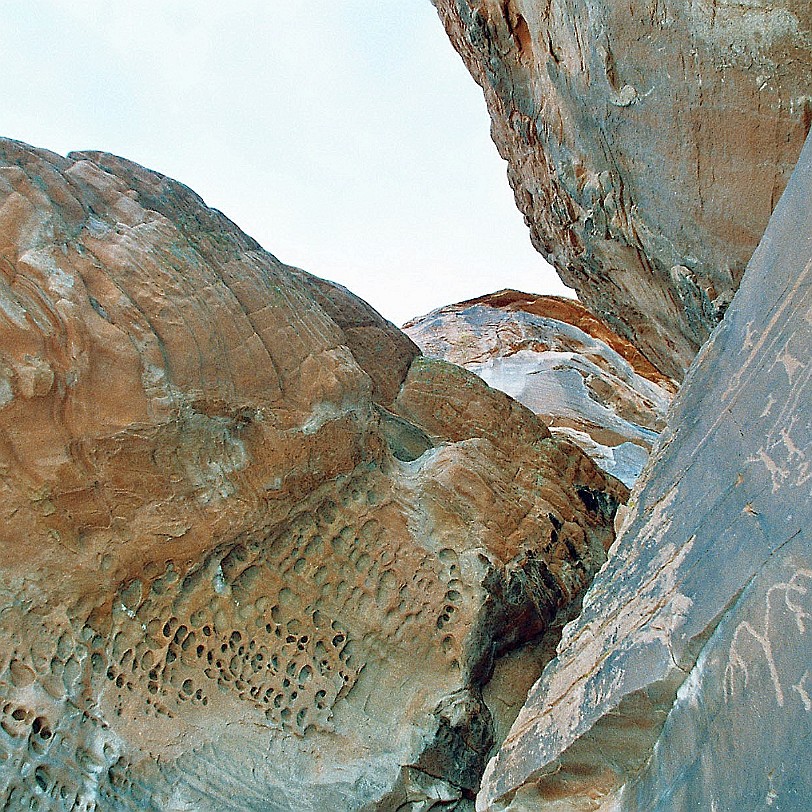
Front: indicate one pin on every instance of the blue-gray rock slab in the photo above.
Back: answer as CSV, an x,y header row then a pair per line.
x,y
685,682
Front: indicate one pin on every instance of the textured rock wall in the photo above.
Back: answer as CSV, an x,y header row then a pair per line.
x,y
256,552
685,682
551,354
647,144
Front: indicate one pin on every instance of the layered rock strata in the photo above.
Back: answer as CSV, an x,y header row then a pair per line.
x,y
257,553
587,383
647,144
685,682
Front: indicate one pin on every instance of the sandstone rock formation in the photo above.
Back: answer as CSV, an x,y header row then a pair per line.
x,y
647,143
685,683
256,552
550,353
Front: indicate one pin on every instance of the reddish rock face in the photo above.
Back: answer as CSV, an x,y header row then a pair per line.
x,y
588,384
647,144
256,552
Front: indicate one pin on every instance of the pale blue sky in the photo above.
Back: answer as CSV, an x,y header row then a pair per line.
x,y
345,136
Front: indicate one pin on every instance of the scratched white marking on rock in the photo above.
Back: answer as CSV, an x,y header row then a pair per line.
x,y
800,689
777,474
783,449
769,335
791,365
768,407
789,595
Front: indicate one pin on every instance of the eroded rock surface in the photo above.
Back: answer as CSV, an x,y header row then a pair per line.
x,y
685,682
551,354
256,552
647,144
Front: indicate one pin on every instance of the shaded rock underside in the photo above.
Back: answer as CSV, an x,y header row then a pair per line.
x,y
647,144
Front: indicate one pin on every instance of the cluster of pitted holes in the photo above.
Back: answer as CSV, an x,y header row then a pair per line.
x,y
40,761
288,674
365,575
121,787
290,661
285,672
32,746
450,573
267,630
23,748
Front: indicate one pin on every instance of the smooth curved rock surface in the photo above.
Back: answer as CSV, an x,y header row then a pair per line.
x,y
647,144
586,383
685,682
256,552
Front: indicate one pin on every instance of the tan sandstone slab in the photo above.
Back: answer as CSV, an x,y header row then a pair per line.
x,y
256,552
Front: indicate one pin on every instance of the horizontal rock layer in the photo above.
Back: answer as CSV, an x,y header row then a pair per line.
x,y
685,682
551,354
256,552
647,144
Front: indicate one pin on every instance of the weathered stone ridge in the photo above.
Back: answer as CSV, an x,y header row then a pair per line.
x,y
647,144
568,311
256,552
685,682
550,353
